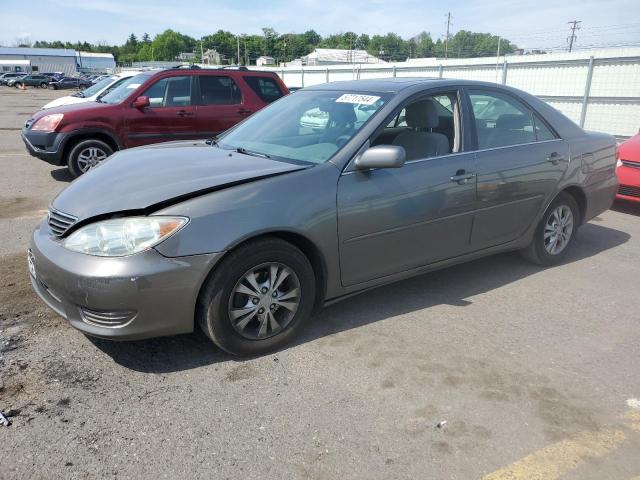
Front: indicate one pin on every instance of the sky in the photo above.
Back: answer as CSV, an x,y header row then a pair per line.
x,y
529,24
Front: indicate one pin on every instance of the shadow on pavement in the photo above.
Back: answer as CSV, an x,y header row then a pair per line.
x,y
451,286
62,175
629,208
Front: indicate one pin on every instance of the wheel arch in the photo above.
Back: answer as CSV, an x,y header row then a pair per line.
x,y
81,135
580,197
298,240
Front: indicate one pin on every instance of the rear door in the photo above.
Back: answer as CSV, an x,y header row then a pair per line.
x,y
171,114
520,161
220,104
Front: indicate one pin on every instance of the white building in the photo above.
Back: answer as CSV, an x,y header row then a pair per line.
x,y
265,60
96,62
7,66
212,57
186,56
47,60
338,56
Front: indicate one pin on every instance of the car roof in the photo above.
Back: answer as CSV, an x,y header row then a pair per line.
x,y
397,84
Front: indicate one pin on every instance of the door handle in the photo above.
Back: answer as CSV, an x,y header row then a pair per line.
x,y
244,111
555,158
184,113
461,177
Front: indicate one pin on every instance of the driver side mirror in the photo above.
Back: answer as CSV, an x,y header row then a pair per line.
x,y
381,156
141,102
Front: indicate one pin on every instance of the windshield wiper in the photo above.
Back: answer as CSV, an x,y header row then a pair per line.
x,y
249,152
212,141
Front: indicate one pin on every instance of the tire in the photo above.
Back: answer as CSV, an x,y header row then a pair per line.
x,y
86,154
44,85
541,249
219,298
18,85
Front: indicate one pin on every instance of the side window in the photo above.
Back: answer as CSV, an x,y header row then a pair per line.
x,y
219,90
542,131
428,127
501,120
266,88
170,92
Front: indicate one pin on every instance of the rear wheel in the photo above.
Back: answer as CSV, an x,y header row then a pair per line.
x,y
555,232
86,155
257,298
18,85
44,85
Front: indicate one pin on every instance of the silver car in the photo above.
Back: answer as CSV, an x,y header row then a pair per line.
x,y
244,234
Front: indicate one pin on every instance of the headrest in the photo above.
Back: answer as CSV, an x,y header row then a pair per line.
x,y
342,114
422,114
513,121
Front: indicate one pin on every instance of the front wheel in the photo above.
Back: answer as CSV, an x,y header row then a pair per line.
x,y
257,298
555,233
44,85
86,155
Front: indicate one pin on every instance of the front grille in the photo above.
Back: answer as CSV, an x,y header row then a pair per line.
x,y
627,163
107,318
60,222
629,191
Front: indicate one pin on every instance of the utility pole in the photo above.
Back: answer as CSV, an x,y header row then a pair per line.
x,y
201,52
446,39
575,25
238,39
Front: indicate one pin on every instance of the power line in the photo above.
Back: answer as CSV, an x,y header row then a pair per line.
x,y
575,25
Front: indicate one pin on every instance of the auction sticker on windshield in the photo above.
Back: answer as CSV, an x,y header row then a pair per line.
x,y
357,98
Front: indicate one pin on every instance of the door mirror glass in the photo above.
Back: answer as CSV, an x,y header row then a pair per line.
x,y
382,156
141,102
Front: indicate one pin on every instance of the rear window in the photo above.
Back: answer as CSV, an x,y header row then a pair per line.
x,y
219,90
266,88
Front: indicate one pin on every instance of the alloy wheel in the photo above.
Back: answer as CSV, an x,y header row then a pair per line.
x,y
90,157
558,230
264,301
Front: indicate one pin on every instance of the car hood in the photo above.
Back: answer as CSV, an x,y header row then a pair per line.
x,y
147,178
630,149
68,100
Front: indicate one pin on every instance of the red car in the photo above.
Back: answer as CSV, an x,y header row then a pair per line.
x,y
151,107
629,169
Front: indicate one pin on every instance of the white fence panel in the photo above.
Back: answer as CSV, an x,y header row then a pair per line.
x,y
609,78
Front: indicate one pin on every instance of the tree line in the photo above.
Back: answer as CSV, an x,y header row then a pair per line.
x,y
288,46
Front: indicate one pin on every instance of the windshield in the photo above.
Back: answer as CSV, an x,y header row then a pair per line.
x,y
125,89
310,126
96,87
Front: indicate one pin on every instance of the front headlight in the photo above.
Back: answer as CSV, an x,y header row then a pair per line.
x,y
123,236
48,123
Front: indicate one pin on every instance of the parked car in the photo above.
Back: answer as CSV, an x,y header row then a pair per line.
x,y
70,82
151,107
629,169
243,235
5,77
92,93
33,80
11,82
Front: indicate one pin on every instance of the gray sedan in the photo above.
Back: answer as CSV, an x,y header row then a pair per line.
x,y
244,234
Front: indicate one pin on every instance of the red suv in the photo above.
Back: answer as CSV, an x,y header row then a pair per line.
x,y
151,107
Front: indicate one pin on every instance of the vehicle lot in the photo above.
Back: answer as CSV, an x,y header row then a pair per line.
x,y
534,371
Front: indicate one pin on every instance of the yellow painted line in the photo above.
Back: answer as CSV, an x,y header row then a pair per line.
x,y
633,420
557,459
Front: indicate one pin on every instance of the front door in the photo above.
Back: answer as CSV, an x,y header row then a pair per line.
x,y
170,115
393,220
520,161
